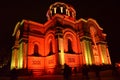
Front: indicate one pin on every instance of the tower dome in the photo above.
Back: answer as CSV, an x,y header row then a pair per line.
x,y
61,8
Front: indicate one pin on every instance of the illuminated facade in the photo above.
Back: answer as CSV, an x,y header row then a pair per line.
x,y
62,39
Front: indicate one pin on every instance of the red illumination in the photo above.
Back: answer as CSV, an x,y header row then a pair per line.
x,y
62,39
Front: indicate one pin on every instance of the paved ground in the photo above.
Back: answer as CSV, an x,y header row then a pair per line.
x,y
104,75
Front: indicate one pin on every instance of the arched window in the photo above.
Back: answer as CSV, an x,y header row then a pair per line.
x,y
36,50
50,48
52,12
64,10
70,50
58,10
70,13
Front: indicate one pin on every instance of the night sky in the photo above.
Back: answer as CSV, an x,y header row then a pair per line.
x,y
105,12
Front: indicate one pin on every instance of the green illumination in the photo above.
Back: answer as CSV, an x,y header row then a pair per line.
x,y
20,57
87,53
103,53
12,60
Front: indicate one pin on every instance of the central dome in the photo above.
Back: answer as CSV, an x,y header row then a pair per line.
x,y
61,8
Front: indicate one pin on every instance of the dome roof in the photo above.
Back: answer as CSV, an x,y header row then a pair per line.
x,y
61,8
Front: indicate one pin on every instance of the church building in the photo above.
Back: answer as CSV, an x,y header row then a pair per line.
x,y
61,39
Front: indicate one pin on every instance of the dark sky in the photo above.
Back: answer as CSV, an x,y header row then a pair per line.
x,y
105,12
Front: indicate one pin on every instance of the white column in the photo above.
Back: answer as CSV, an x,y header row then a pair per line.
x,y
61,9
55,10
